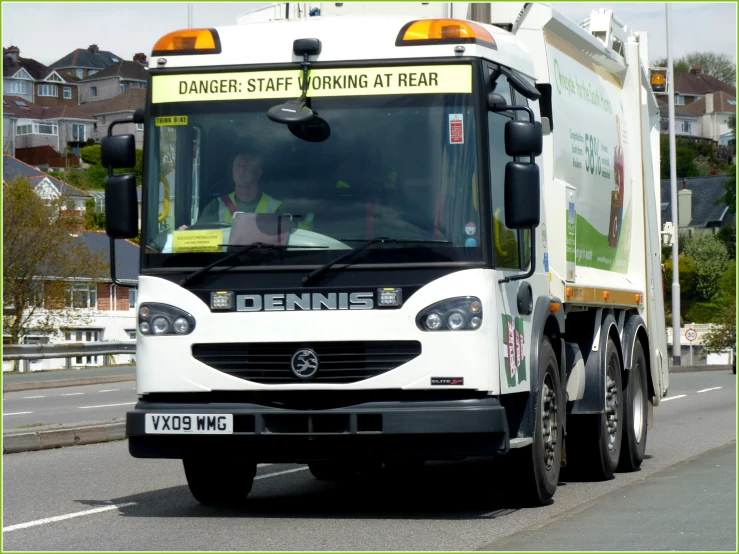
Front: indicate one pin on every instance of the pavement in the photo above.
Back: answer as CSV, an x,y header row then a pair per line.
x,y
98,497
37,380
32,422
682,508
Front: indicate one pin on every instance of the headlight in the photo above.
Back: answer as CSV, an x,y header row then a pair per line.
x,y
454,314
163,319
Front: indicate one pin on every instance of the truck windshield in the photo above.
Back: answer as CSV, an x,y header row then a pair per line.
x,y
398,166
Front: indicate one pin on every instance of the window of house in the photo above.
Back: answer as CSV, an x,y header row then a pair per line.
x,y
82,296
67,93
124,87
20,103
102,120
16,87
79,73
24,129
679,100
79,132
685,126
94,92
48,90
139,126
92,72
45,129
131,298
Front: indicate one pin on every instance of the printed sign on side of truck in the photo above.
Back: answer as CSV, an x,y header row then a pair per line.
x,y
590,139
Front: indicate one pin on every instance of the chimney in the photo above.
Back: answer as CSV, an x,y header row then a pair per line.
x,y
709,102
684,205
141,58
93,48
695,70
73,221
13,52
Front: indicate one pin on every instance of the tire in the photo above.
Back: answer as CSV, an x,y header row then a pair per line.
x,y
213,484
331,470
594,441
405,468
540,462
634,434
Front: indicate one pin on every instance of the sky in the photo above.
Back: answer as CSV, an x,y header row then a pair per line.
x,y
128,28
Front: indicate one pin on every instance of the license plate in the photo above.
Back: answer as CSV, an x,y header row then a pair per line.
x,y
179,424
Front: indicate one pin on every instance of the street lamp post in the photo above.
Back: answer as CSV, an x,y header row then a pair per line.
x,y
673,195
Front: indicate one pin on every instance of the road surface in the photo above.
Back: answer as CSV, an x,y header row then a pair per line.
x,y
97,497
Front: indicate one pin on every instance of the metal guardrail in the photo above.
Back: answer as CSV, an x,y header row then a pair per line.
x,y
65,350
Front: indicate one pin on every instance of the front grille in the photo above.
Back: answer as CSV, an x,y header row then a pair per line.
x,y
338,362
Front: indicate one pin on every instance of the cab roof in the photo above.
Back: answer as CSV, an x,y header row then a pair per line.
x,y
343,38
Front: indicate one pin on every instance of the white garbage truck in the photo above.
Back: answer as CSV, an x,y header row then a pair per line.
x,y
374,240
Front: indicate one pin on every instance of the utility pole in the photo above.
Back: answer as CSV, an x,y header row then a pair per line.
x,y
189,15
480,12
673,195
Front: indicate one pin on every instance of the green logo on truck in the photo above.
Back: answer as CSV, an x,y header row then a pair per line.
x,y
515,361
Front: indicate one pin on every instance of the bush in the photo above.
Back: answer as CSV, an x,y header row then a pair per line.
x,y
91,155
710,258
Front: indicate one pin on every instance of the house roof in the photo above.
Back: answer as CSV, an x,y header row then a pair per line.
x,y
126,253
700,84
29,110
130,100
124,69
720,104
86,58
706,192
13,167
679,111
35,69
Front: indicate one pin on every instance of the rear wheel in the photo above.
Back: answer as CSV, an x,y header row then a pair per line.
x,y
218,485
634,441
594,441
329,470
539,463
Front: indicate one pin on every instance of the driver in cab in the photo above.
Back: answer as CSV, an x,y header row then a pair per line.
x,y
246,197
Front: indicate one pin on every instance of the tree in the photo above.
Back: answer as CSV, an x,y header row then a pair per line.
x,y
710,258
720,66
39,257
723,335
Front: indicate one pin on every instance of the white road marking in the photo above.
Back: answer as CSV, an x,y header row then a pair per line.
x,y
66,516
73,394
108,405
674,397
117,506
29,397
712,388
109,390
280,473
18,413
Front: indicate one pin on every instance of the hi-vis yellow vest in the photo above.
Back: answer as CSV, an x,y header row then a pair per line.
x,y
266,205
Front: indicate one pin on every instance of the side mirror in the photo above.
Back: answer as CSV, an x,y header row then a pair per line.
x,y
138,115
521,195
496,102
118,151
121,207
523,138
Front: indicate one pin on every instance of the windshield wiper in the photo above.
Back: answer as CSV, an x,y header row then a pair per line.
x,y
235,254
352,253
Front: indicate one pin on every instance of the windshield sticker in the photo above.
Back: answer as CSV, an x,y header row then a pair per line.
x,y
456,128
172,120
254,85
198,241
470,228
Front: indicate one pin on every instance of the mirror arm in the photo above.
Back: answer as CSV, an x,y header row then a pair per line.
x,y
112,268
531,270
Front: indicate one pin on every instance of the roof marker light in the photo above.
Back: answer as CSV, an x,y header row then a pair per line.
x,y
444,31
188,42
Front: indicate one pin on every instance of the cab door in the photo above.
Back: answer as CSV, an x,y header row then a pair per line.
x,y
511,254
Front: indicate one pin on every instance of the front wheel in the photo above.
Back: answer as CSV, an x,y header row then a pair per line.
x,y
634,441
540,462
216,484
